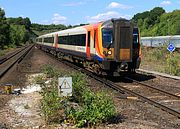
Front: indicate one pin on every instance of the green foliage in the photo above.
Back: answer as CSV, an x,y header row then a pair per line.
x,y
161,60
44,29
50,104
158,23
20,21
4,30
93,108
14,31
79,86
160,53
173,64
96,107
39,29
18,34
51,72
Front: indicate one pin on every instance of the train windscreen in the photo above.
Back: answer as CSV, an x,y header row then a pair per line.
x,y
107,34
135,36
107,37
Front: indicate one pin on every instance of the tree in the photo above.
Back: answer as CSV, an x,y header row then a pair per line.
x,y
18,34
27,23
142,16
4,30
154,14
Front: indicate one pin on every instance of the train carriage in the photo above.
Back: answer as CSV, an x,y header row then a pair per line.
x,y
108,48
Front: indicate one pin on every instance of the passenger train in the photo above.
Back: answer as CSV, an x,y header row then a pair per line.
x,y
111,47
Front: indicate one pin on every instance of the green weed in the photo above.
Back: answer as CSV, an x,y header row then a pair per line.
x,y
95,107
92,109
160,59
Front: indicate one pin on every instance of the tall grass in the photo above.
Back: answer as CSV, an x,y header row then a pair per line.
x,y
160,59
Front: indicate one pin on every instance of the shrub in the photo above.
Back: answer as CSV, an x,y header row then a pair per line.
x,y
51,72
163,60
96,107
50,103
93,108
173,64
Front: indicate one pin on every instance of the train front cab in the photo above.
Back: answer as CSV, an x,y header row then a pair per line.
x,y
121,46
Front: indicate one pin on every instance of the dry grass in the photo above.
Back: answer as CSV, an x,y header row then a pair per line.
x,y
161,60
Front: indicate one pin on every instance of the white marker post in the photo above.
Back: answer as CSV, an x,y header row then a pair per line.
x,y
65,86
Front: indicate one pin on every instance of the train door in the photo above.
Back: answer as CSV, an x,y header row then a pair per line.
x,y
93,42
56,41
123,40
90,44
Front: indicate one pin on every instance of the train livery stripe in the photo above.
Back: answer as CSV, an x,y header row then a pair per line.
x,y
97,48
99,42
88,28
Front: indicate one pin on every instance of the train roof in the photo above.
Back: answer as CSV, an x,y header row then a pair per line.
x,y
78,30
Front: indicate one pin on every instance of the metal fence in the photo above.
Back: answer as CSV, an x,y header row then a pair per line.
x,y
160,41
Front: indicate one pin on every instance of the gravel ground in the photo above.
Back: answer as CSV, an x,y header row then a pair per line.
x,y
133,114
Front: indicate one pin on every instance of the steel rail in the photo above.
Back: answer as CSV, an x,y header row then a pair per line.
x,y
154,88
121,89
7,57
24,53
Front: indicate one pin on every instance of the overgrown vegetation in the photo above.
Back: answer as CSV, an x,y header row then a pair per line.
x,y
18,31
14,31
157,22
160,59
83,109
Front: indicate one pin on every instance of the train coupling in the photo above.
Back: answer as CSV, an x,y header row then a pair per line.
x,y
122,67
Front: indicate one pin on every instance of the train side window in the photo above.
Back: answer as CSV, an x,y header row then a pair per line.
x,y
66,39
74,40
61,40
83,40
77,40
89,37
94,38
49,40
70,40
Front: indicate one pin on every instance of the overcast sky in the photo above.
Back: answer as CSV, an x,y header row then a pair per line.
x,y
81,11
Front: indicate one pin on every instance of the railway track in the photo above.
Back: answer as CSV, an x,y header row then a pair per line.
x,y
121,88
5,58
160,98
9,61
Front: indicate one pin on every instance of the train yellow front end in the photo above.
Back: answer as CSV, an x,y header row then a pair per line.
x,y
121,46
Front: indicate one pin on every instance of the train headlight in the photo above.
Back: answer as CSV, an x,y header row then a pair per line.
x,y
109,52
